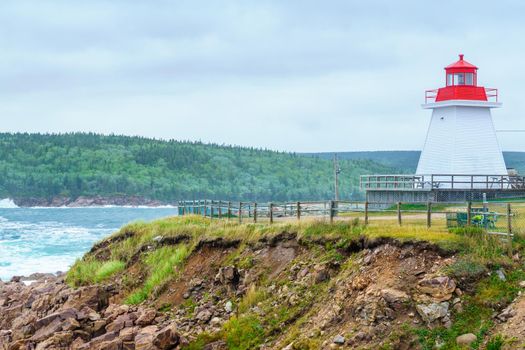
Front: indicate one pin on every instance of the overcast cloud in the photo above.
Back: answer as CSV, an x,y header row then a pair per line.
x,y
287,75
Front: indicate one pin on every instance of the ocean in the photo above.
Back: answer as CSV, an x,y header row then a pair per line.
x,y
51,239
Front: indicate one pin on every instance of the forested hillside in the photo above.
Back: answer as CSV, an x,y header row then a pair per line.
x,y
406,161
80,164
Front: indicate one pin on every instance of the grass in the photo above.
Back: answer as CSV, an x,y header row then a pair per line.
x,y
243,333
89,271
162,264
251,298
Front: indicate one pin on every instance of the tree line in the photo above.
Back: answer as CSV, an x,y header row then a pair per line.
x,y
88,164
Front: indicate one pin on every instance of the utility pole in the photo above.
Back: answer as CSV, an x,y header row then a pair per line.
x,y
337,171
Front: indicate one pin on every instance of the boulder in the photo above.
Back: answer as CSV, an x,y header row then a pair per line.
x,y
440,288
145,337
228,275
394,297
167,337
60,340
431,312
466,339
146,317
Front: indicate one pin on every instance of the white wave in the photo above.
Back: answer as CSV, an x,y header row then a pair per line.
x,y
7,203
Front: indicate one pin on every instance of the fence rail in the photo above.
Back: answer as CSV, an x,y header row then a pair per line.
x,y
495,217
442,181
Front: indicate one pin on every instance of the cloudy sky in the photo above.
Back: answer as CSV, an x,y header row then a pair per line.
x,y
303,75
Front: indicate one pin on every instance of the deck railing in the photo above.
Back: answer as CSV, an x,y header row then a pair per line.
x,y
442,181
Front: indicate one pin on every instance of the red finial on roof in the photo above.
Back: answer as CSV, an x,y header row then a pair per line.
x,y
461,57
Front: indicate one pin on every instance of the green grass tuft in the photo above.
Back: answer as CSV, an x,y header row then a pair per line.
x,y
162,264
89,271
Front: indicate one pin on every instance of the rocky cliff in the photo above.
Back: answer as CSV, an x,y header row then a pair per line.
x,y
195,284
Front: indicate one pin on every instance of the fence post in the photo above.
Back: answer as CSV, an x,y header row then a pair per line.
x,y
270,208
205,211
211,209
331,212
509,228
220,209
469,213
298,210
255,212
193,209
429,214
240,212
366,213
229,210
399,213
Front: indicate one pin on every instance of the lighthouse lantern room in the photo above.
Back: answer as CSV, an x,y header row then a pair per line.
x,y
461,159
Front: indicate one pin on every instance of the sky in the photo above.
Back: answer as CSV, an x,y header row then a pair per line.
x,y
303,76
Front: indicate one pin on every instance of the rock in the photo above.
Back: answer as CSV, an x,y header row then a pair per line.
x,y
507,313
125,320
115,344
501,275
338,339
60,315
302,273
216,321
228,307
458,307
361,336
146,317
522,284
228,275
47,331
204,315
394,297
431,312
321,274
70,324
167,338
145,337
466,339
128,334
56,341
440,288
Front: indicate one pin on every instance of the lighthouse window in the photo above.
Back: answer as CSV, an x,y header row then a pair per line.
x,y
470,78
459,79
450,82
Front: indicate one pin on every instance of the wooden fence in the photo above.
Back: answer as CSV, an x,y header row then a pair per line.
x,y
497,218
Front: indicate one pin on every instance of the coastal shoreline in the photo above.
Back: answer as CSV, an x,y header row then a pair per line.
x,y
85,201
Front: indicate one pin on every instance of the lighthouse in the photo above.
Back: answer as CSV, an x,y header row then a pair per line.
x,y
461,138
461,159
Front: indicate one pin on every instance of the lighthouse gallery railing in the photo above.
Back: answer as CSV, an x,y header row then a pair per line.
x,y
431,95
441,181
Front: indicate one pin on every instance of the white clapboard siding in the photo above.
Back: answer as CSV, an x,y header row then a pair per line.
x,y
461,139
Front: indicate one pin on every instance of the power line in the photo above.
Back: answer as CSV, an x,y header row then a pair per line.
x,y
510,130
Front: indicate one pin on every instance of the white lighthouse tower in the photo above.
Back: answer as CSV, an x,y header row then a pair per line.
x,y
461,138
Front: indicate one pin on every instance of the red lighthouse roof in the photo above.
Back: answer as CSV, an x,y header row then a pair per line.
x,y
461,80
461,65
